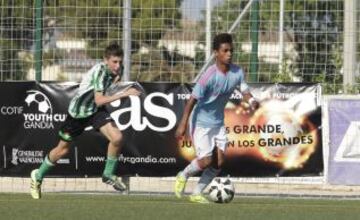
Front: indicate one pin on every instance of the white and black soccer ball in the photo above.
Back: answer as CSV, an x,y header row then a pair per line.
x,y
221,190
40,99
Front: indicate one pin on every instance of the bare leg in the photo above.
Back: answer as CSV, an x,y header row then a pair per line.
x,y
114,135
211,171
59,151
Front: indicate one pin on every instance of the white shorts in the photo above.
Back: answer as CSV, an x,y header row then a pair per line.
x,y
206,139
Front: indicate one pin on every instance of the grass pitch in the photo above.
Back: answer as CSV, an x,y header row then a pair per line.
x,y
87,207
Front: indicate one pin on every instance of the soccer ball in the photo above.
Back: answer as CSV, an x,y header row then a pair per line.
x,y
43,103
221,190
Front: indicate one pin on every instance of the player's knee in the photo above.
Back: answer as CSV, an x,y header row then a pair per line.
x,y
116,140
63,149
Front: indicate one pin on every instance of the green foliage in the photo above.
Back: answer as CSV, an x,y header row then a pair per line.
x,y
282,77
353,89
102,21
154,66
97,22
15,36
315,27
10,65
152,18
329,86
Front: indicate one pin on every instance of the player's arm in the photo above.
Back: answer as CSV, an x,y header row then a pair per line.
x,y
198,93
181,129
249,98
101,99
246,94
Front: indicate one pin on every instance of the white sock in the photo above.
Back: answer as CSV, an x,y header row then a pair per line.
x,y
207,176
192,169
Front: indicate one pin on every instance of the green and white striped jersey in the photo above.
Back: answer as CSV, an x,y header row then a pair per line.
x,y
97,79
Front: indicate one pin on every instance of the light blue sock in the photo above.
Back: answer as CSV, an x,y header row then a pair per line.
x,y
206,177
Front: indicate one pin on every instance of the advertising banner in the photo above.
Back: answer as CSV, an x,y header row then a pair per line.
x,y
281,138
344,141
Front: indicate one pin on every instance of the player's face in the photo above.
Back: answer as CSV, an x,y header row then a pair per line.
x,y
114,64
224,53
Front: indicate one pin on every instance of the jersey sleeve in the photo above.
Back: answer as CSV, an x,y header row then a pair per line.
x,y
201,87
198,91
243,85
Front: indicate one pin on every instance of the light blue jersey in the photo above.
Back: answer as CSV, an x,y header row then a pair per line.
x,y
212,92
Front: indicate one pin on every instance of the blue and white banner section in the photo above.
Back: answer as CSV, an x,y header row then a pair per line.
x,y
344,140
281,138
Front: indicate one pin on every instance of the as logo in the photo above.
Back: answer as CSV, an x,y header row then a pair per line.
x,y
139,122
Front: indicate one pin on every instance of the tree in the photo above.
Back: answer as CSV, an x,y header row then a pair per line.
x,y
102,21
152,18
95,21
315,27
317,30
15,35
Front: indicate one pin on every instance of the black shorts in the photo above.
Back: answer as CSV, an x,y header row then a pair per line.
x,y
73,127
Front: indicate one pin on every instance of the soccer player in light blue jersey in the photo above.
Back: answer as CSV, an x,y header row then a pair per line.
x,y
206,107
87,108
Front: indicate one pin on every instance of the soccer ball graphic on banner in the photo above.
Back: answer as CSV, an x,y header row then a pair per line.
x,y
290,128
42,102
221,190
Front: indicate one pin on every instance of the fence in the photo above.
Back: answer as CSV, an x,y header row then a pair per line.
x,y
275,40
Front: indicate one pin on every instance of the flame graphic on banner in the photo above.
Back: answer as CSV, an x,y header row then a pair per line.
x,y
274,133
186,148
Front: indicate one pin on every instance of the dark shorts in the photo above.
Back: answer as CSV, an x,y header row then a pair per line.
x,y
73,127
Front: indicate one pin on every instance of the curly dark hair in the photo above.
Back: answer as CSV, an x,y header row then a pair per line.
x,y
221,39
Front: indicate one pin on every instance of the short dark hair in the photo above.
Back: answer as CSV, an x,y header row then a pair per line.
x,y
113,49
221,39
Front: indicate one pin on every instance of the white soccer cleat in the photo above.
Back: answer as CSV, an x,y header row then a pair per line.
x,y
115,182
35,186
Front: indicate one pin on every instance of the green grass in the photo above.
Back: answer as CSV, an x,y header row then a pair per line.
x,y
87,207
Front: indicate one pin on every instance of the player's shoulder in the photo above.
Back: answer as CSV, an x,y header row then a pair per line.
x,y
100,66
210,71
235,68
208,75
98,69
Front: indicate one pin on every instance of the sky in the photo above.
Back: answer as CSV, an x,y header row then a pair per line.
x,y
191,9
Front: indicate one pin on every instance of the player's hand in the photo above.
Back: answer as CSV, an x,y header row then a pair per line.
x,y
255,105
133,92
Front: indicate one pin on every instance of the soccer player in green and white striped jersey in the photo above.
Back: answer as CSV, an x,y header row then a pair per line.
x,y
88,108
